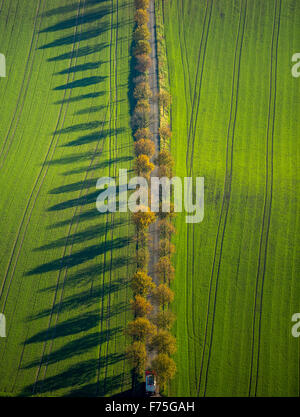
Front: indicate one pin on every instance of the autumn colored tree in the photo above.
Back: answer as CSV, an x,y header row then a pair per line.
x,y
166,248
165,163
142,284
140,329
164,269
143,166
166,229
142,91
143,134
141,17
145,147
143,63
137,355
164,367
142,106
140,306
163,294
164,99
164,319
142,47
164,158
163,342
142,219
141,4
141,33
165,132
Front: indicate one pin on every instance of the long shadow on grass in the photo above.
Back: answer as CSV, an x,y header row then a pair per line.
x,y
88,256
78,347
79,257
75,379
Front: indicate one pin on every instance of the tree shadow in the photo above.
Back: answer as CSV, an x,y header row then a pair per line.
x,y
78,347
80,52
95,136
76,375
81,97
83,82
79,257
87,17
69,8
83,323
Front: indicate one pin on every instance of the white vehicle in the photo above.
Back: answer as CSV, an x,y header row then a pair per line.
x,y
150,379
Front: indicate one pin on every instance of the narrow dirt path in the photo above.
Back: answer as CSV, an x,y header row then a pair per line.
x,y
154,126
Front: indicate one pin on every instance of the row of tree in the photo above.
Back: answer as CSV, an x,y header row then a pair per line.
x,y
150,331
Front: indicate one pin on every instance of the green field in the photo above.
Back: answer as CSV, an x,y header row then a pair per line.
x,y
63,267
235,118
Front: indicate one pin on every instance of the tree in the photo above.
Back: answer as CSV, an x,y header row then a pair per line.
x,y
166,228
141,33
164,319
163,342
140,306
142,91
165,163
140,79
164,367
166,248
165,269
143,62
142,219
164,99
142,284
141,17
142,106
143,166
145,147
143,134
165,132
137,355
140,329
164,158
140,119
142,47
163,294
141,4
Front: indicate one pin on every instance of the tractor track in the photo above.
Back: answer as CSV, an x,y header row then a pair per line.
x,y
27,76
196,98
263,246
112,214
40,178
108,214
226,194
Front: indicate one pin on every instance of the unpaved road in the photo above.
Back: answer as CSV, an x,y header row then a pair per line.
x,y
154,126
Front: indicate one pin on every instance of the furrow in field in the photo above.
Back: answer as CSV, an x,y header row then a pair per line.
x,y
209,326
191,130
198,83
263,245
24,87
109,218
112,147
36,189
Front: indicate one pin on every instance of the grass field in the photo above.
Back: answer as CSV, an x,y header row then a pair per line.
x,y
235,118
63,266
